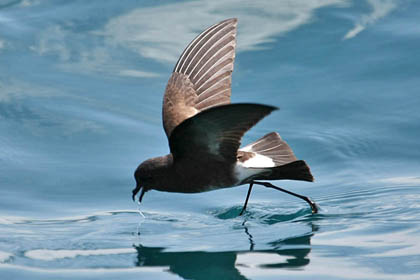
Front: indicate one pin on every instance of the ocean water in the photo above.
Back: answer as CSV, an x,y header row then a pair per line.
x,y
81,86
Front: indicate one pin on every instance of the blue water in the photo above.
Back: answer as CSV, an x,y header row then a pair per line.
x,y
81,85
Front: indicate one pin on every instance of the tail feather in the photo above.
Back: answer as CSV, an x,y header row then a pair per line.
x,y
272,146
296,170
271,158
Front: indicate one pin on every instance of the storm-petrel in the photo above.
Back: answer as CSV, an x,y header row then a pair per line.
x,y
204,130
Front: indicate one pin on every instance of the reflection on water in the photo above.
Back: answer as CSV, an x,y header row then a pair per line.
x,y
250,237
204,246
191,265
292,252
200,265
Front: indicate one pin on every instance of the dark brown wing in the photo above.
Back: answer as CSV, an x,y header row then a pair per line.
x,y
216,132
202,76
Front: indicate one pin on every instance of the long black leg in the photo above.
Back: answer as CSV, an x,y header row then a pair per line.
x,y
313,205
247,197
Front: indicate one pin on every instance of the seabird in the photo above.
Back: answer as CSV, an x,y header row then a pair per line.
x,y
204,129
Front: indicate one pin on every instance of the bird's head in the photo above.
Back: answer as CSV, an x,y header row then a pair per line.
x,y
149,174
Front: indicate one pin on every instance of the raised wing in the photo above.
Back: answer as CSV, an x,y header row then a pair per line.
x,y
202,76
216,132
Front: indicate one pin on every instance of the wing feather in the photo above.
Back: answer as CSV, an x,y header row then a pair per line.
x,y
205,70
216,132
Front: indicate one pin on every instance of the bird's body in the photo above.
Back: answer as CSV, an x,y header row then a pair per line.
x,y
187,176
204,130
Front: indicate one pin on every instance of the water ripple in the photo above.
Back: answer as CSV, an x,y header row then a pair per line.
x,y
64,220
263,214
344,143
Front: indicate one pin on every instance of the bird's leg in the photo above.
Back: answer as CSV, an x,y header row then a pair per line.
x,y
313,205
247,197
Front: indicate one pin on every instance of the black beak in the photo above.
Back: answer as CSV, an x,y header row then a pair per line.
x,y
143,191
135,191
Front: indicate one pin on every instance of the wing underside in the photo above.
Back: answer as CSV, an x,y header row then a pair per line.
x,y
205,68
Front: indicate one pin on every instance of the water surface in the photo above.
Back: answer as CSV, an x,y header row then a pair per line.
x,y
81,87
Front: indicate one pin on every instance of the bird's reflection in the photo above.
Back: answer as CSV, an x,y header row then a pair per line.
x,y
250,237
286,253
191,265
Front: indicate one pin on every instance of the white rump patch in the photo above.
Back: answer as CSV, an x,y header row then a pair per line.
x,y
243,173
252,166
258,161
